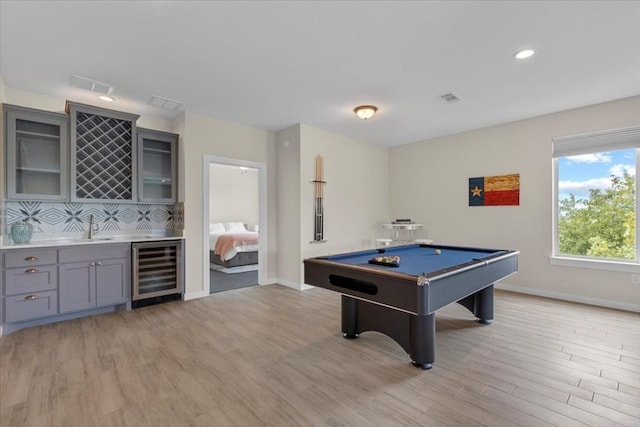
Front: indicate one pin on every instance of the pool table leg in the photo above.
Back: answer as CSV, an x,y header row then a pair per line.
x,y
349,317
422,340
483,309
480,304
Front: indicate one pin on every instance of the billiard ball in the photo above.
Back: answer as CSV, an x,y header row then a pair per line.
x,y
438,251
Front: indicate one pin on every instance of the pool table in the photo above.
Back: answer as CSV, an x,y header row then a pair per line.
x,y
400,299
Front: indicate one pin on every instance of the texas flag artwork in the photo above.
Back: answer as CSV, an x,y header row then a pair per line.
x,y
503,190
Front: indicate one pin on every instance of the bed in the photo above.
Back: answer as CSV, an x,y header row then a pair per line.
x,y
232,245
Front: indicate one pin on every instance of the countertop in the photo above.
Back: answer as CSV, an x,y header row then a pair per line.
x,y
74,240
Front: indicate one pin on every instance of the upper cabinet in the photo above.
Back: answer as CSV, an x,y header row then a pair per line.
x,y
36,157
103,155
90,155
157,166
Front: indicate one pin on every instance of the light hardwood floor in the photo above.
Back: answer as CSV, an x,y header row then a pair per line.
x,y
274,356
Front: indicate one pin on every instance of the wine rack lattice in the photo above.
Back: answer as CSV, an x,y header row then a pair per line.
x,y
103,157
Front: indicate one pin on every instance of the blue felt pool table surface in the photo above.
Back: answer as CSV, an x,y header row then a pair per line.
x,y
418,259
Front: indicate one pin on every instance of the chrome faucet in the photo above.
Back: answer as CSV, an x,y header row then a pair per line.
x,y
93,228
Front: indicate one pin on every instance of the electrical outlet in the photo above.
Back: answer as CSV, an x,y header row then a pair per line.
x,y
635,279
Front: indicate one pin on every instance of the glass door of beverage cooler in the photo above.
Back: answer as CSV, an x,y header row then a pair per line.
x,y
158,269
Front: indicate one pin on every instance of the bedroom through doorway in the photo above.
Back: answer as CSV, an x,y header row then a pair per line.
x,y
234,224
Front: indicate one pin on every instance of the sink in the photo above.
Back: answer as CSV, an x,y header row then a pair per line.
x,y
125,237
62,240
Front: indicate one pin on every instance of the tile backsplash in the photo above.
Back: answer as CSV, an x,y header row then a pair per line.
x,y
73,217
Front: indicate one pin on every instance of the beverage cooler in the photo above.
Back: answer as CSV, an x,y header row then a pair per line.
x,y
158,271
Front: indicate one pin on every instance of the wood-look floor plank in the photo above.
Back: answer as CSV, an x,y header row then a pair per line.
x,y
542,413
573,412
271,356
605,391
604,411
625,388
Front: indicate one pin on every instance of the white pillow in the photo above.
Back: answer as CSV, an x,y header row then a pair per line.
x,y
216,228
234,227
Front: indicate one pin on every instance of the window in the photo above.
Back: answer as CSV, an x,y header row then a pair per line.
x,y
595,201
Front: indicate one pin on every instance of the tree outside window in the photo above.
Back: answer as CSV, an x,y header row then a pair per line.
x,y
595,178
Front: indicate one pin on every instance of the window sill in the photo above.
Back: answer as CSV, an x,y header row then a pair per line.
x,y
620,266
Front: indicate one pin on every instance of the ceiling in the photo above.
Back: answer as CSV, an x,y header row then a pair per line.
x,y
274,64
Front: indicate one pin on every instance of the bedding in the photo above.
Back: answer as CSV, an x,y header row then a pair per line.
x,y
228,245
231,244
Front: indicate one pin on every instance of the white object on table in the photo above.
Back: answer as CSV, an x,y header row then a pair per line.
x,y
397,228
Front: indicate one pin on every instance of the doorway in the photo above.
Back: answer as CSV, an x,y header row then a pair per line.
x,y
234,197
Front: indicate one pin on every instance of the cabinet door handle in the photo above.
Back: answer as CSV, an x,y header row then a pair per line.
x,y
31,258
31,270
31,297
98,263
92,264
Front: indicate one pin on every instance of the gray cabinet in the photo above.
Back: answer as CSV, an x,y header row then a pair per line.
x,y
157,166
93,276
30,288
103,154
37,154
77,286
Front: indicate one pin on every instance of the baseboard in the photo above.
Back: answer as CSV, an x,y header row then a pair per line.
x,y
569,297
195,295
293,285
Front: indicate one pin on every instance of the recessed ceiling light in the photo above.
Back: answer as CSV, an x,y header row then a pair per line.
x,y
524,53
107,98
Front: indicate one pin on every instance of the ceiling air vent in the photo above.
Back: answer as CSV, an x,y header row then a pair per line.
x,y
91,85
166,103
450,97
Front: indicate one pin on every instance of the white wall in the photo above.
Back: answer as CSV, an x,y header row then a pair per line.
x,y
433,178
203,135
233,195
356,195
39,101
288,201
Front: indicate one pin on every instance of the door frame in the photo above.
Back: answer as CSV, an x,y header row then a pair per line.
x,y
262,215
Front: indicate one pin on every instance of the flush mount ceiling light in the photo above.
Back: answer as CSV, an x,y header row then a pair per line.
x,y
524,53
365,111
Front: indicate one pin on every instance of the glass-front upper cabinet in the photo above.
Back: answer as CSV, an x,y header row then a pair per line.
x,y
37,154
157,167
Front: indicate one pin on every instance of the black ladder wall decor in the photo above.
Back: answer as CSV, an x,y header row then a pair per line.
x,y
318,220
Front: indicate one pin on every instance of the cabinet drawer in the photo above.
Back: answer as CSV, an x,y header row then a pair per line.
x,y
19,308
30,279
30,257
94,252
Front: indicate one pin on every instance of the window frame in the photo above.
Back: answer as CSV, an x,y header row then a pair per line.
x,y
594,142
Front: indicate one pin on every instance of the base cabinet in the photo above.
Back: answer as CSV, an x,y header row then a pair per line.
x,y
30,288
33,306
112,282
49,283
100,279
77,287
